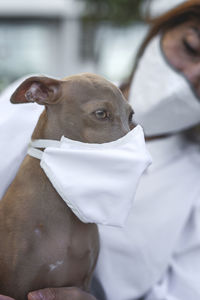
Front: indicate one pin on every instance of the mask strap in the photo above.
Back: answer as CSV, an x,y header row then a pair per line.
x,y
44,143
33,145
35,153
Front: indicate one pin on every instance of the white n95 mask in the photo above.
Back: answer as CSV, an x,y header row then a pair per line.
x,y
97,181
162,98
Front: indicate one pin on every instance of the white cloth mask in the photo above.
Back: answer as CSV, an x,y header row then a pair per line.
x,y
97,181
162,98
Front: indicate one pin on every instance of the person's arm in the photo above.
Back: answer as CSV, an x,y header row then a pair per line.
x,y
182,278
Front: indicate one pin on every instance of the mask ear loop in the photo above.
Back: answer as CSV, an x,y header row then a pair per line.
x,y
35,153
33,145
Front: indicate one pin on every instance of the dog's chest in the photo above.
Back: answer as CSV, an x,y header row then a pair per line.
x,y
65,257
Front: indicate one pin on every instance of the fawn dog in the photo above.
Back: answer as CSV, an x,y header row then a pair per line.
x,y
43,244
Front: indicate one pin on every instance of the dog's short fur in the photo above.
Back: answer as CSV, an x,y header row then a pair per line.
x,y
43,244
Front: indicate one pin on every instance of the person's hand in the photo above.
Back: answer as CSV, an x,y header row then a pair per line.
x,y
68,293
2,297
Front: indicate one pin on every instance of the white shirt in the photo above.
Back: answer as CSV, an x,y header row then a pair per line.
x,y
158,251
182,278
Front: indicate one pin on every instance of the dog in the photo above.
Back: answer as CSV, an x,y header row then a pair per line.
x,y
43,244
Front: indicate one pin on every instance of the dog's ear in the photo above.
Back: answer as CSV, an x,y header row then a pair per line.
x,y
42,90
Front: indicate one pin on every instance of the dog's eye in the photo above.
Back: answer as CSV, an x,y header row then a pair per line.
x,y
102,114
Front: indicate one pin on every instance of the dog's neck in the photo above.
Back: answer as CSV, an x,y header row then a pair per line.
x,y
43,130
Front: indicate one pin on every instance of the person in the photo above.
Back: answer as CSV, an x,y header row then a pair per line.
x,y
157,254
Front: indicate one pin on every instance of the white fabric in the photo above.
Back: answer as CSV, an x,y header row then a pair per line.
x,y
97,181
158,251
134,259
183,275
16,125
162,98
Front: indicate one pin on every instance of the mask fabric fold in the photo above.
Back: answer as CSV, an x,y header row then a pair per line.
x,y
97,181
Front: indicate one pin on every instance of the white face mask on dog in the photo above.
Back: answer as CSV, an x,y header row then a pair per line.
x,y
162,98
97,181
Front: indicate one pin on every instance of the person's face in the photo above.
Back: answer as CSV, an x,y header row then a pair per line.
x,y
181,46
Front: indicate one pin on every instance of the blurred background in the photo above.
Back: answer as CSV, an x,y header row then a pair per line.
x,y
63,37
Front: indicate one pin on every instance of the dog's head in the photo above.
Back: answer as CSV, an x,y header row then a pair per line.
x,y
83,107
